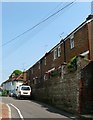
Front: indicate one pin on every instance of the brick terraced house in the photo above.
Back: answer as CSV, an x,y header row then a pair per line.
x,y
50,79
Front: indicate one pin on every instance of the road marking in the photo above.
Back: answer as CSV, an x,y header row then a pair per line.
x,y
17,111
9,111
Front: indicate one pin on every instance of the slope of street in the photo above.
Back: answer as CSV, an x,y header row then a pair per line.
x,y
31,109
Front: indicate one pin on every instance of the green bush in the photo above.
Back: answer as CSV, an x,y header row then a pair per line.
x,y
72,65
4,93
0,93
55,73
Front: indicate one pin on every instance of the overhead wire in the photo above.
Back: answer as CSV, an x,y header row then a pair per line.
x,y
4,44
53,10
27,66
31,34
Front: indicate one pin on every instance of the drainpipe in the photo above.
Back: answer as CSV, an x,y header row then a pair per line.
x,y
64,51
41,72
64,47
64,63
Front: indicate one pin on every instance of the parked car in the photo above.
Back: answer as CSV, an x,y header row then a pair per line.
x,y
11,93
14,92
23,91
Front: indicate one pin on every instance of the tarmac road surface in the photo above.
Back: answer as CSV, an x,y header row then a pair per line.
x,y
27,109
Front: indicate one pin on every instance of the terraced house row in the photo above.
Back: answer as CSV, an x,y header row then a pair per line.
x,y
57,80
78,42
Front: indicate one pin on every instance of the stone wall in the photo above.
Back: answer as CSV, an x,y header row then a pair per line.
x,y
62,92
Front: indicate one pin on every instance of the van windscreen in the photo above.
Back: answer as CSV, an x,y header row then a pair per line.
x,y
25,88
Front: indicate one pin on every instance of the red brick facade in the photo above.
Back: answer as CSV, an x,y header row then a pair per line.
x,y
83,41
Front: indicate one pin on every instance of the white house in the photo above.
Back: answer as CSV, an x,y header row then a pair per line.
x,y
12,84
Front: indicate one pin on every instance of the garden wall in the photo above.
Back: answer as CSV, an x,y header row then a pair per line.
x,y
62,92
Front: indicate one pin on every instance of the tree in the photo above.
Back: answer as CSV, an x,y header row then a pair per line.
x,y
17,72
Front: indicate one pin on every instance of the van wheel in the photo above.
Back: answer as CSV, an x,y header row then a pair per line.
x,y
16,97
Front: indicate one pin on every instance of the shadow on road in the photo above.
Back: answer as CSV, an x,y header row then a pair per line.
x,y
51,109
56,110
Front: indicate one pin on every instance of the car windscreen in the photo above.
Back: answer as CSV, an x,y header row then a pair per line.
x,y
25,88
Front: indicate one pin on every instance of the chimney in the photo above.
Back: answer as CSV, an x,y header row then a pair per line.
x,y
24,76
89,17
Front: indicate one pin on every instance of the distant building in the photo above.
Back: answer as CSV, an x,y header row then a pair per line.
x,y
13,82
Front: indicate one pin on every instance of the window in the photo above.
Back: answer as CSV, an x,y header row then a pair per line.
x,y
55,54
25,88
39,66
72,42
45,78
45,60
32,70
59,51
34,81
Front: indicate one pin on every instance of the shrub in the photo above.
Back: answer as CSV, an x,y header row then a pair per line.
x,y
72,65
4,93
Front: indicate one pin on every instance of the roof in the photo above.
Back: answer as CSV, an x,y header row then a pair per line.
x,y
15,78
88,19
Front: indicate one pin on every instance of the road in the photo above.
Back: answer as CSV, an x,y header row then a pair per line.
x,y
31,109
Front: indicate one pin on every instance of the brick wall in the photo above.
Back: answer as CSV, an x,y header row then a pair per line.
x,y
80,45
80,42
90,34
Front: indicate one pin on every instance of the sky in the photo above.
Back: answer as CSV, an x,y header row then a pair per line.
x,y
17,17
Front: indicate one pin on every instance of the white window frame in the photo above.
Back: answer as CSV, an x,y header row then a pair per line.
x,y
72,45
45,60
39,65
32,70
34,81
55,54
59,51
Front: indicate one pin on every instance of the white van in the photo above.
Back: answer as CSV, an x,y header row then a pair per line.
x,y
23,91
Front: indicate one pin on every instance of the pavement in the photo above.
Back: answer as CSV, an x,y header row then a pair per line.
x,y
4,111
